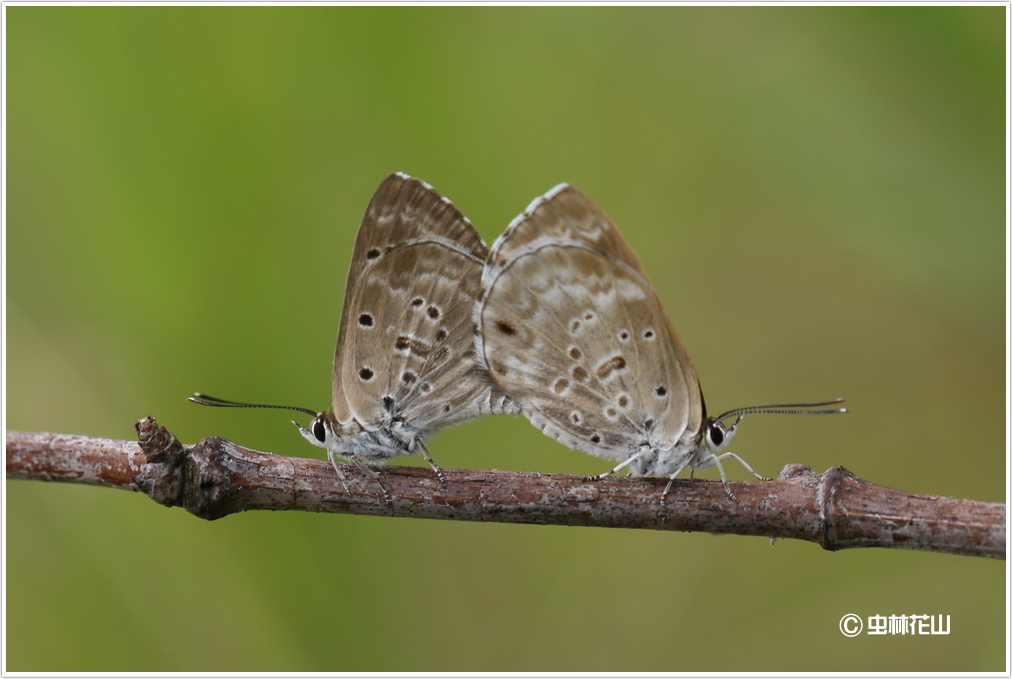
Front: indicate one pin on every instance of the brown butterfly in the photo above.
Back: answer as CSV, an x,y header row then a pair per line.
x,y
405,365
572,330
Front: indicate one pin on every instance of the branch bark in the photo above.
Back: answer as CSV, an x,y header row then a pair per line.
x,y
214,478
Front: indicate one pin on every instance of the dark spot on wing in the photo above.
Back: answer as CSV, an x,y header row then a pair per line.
x,y
505,328
412,345
613,364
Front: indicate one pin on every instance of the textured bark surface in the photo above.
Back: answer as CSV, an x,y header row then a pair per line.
x,y
215,478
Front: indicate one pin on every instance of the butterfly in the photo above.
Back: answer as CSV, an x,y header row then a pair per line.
x,y
571,329
404,366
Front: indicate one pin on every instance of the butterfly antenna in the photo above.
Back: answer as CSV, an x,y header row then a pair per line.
x,y
787,409
205,400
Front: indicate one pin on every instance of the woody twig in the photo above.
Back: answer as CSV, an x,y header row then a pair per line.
x,y
214,478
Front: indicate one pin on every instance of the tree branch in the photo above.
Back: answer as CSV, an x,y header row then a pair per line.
x,y
215,478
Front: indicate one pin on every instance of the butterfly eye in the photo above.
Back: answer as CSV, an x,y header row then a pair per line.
x,y
716,433
319,429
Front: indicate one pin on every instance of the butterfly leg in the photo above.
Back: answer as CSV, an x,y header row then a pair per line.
x,y
386,493
743,464
418,445
365,470
628,461
375,475
671,480
714,460
723,476
667,488
340,474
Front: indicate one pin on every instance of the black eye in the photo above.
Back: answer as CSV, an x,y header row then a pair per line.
x,y
716,434
319,430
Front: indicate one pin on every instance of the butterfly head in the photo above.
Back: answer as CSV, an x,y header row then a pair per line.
x,y
717,436
690,451
702,452
324,431
321,431
344,440
361,445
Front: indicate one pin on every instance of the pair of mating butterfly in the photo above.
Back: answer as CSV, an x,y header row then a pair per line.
x,y
557,322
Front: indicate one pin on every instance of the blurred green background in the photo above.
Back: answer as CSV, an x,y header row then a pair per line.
x,y
818,195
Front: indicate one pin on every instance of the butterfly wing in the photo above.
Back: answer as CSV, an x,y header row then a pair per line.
x,y
405,347
570,327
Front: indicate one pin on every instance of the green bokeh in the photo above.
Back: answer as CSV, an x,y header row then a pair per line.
x,y
818,195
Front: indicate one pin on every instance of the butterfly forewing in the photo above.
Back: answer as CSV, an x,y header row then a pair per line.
x,y
570,327
404,348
